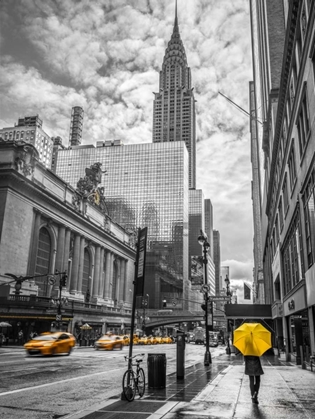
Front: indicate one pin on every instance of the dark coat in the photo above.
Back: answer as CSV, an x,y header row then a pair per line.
x,y
253,366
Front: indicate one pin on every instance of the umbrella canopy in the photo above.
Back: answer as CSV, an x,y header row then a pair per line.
x,y
85,327
252,339
5,324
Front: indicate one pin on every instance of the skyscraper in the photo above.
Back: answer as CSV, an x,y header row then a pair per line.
x,y
144,185
174,105
217,260
29,129
76,126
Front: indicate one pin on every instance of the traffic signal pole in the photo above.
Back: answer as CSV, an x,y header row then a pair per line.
x,y
207,358
62,283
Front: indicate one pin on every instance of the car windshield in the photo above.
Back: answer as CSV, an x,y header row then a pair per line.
x,y
45,338
108,337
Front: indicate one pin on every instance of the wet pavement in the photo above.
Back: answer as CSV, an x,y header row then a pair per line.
x,y
220,390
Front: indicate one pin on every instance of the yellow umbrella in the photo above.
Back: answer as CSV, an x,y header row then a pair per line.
x,y
252,339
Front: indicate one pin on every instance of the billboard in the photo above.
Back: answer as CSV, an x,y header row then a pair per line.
x,y
196,270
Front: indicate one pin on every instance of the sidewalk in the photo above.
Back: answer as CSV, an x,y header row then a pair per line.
x,y
221,391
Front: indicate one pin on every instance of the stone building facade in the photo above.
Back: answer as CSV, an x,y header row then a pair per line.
x,y
284,65
49,227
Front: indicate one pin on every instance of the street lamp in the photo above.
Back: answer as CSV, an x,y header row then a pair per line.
x,y
228,293
203,241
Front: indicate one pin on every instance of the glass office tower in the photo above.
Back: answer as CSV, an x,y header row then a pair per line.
x,y
145,185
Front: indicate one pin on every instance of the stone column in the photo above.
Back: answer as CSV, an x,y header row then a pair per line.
x,y
97,270
102,277
108,275
75,264
122,281
81,264
60,248
123,294
118,285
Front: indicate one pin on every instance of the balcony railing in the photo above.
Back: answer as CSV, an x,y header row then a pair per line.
x,y
45,302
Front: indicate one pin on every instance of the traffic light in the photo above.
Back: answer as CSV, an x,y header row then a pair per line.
x,y
164,303
64,280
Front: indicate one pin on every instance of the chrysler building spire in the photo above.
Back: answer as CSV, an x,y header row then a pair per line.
x,y
174,104
175,21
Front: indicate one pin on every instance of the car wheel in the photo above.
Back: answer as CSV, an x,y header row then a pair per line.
x,y
53,352
121,347
69,351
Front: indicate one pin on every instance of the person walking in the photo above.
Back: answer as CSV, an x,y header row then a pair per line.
x,y
254,370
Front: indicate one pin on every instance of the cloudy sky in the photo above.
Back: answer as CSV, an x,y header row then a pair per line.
x,y
105,55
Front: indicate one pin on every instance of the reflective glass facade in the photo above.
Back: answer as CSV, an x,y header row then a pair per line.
x,y
145,185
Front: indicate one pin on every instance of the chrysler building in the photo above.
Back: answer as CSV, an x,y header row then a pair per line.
x,y
174,116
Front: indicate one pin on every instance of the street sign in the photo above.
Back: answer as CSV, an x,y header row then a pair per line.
x,y
205,288
58,317
222,298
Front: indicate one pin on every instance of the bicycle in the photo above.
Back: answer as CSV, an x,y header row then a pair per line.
x,y
133,379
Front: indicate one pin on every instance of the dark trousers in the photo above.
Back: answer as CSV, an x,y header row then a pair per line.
x,y
254,383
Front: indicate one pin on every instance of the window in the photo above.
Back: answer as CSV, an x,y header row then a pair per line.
x,y
308,198
280,211
86,275
285,194
43,261
292,167
292,255
303,123
312,56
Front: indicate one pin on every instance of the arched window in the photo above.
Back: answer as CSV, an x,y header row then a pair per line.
x,y
43,261
86,273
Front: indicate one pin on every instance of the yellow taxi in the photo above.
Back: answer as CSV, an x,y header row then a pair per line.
x,y
144,340
51,343
151,340
135,339
126,340
109,342
167,340
159,340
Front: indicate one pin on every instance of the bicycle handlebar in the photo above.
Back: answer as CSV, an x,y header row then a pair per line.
x,y
130,358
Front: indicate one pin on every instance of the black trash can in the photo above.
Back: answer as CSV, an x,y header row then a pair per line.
x,y
157,370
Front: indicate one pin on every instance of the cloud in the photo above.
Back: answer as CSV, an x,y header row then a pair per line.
x,y
239,270
106,57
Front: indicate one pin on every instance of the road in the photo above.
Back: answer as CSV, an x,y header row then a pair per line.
x,y
55,386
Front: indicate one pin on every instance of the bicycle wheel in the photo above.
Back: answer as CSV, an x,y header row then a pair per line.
x,y
141,382
129,385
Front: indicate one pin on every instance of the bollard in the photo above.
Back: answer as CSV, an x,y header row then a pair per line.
x,y
180,354
302,358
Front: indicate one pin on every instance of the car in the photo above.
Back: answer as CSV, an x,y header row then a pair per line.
x,y
109,342
126,339
144,340
159,340
167,340
51,343
152,339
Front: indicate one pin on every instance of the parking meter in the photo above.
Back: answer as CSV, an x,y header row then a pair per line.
x,y
180,354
